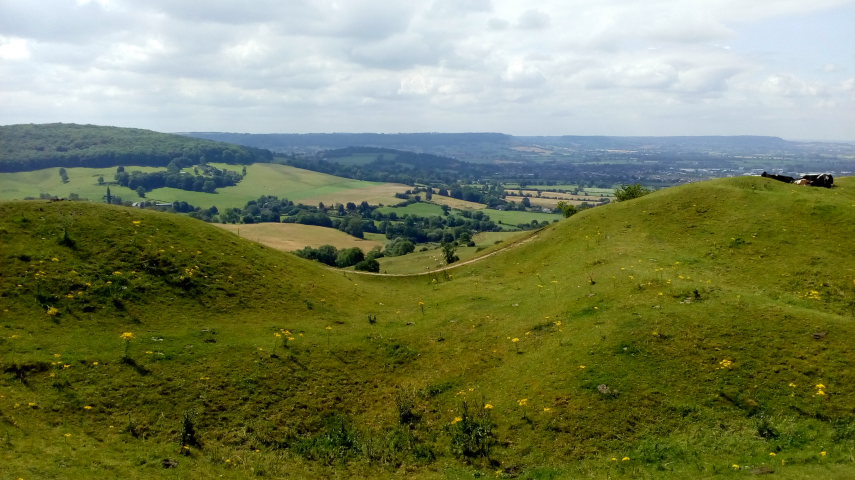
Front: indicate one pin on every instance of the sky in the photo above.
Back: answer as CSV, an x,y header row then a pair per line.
x,y
537,67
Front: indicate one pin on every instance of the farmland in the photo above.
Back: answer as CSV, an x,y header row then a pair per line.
x,y
261,179
289,237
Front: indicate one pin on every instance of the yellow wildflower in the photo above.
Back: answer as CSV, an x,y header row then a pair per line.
x,y
456,419
625,459
87,407
67,435
823,453
547,409
136,222
792,385
515,339
582,367
488,406
127,336
522,402
773,454
735,466
52,311
820,386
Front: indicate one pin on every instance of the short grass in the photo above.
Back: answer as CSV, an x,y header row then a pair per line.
x,y
289,237
433,258
702,331
510,219
422,209
284,181
82,181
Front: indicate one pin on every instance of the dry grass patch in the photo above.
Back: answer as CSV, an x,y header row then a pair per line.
x,y
292,236
375,195
456,203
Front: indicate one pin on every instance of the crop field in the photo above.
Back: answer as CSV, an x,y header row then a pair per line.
x,y
289,237
510,219
297,185
457,203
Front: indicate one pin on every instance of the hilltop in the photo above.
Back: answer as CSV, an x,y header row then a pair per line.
x,y
33,147
699,331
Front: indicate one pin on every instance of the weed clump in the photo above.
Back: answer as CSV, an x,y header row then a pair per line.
x,y
472,434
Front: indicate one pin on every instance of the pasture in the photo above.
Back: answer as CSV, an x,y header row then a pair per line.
x,y
295,184
421,209
457,203
289,237
510,219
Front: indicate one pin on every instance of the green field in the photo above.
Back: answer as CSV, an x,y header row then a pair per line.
x,y
295,184
432,259
82,181
421,209
701,331
510,219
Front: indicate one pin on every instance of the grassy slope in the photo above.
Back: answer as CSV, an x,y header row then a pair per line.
x,y
606,298
295,184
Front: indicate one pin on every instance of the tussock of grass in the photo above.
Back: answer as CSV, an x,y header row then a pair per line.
x,y
690,333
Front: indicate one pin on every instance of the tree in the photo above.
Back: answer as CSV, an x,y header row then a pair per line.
x,y
108,197
368,265
448,252
628,192
348,257
63,175
567,209
141,191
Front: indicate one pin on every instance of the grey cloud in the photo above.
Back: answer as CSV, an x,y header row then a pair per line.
x,y
533,20
497,24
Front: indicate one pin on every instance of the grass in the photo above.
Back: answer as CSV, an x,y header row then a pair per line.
x,y
510,219
422,209
297,185
82,181
686,331
289,237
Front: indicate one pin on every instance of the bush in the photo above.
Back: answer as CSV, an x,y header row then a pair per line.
x,y
628,192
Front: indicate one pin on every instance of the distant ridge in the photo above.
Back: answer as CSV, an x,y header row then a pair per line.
x,y
33,147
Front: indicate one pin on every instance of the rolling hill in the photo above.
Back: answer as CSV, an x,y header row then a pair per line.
x,y
700,331
34,147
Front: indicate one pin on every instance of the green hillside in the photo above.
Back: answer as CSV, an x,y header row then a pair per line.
x,y
34,147
700,331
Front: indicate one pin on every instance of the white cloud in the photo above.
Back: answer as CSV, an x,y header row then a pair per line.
x,y
550,67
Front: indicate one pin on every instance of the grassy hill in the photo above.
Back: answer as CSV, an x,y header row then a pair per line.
x,y
34,147
699,331
296,184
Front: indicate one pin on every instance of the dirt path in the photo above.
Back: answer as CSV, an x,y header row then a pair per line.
x,y
452,266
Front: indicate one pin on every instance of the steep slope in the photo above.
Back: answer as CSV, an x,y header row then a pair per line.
x,y
690,333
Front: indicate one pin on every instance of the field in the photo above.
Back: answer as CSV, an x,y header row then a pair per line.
x,y
421,209
289,237
295,184
432,259
510,219
456,203
701,331
82,181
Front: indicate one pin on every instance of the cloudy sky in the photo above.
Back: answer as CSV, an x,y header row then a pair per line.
x,y
526,67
